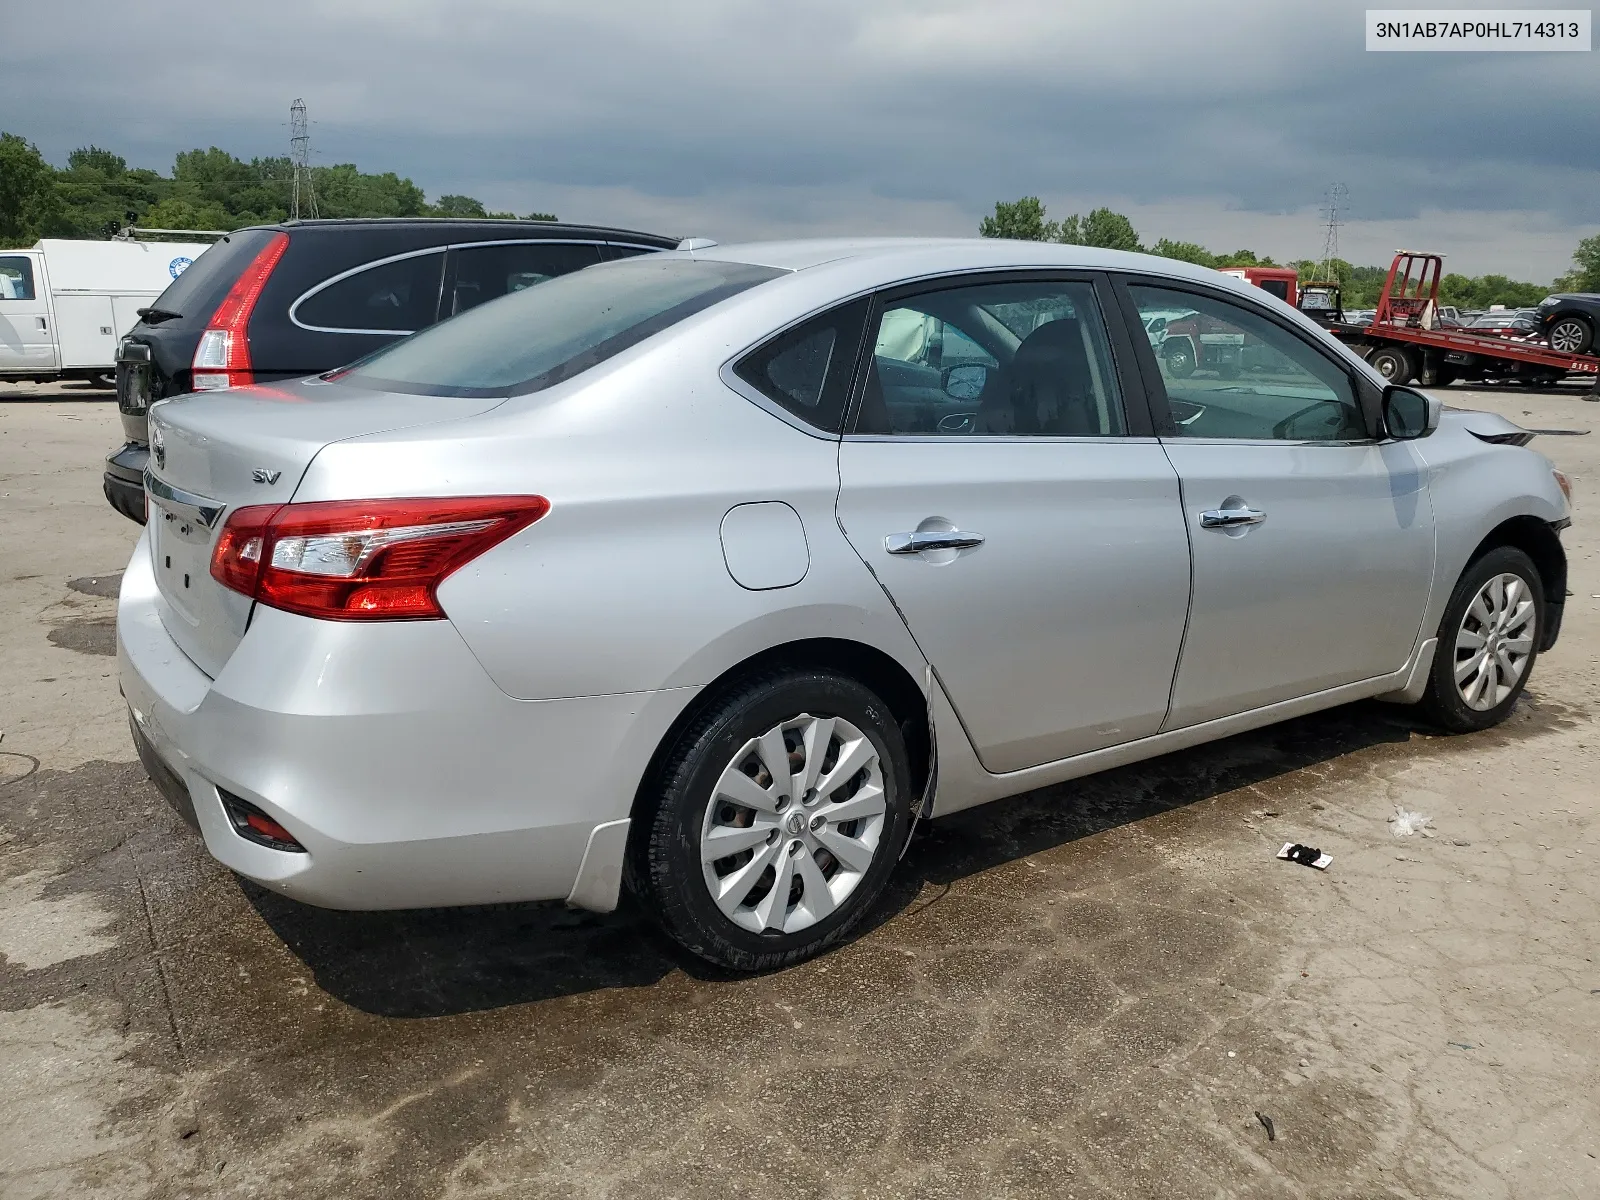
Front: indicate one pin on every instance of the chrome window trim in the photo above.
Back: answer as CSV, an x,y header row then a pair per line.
x,y
383,262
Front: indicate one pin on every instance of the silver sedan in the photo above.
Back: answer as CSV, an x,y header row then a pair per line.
x,y
712,572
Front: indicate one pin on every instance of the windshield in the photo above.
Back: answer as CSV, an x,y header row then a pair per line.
x,y
534,339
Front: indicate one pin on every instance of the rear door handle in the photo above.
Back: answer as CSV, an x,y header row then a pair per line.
x,y
1230,518
931,539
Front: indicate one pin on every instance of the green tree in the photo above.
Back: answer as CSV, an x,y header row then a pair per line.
x,y
1110,231
1021,220
458,206
27,192
541,216
1585,273
1189,252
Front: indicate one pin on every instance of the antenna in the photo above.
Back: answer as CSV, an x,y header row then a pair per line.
x,y
1337,201
300,155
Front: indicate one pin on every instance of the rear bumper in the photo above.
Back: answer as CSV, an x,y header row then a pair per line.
x,y
124,480
388,753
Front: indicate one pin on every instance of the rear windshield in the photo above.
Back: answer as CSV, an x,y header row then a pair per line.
x,y
537,337
197,292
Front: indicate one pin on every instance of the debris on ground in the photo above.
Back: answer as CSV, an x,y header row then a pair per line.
x,y
1406,823
1266,1123
1306,856
1462,1045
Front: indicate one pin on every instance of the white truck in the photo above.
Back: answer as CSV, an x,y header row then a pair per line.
x,y
65,304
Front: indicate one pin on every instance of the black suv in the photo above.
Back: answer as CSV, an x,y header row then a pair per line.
x,y
281,301
1569,320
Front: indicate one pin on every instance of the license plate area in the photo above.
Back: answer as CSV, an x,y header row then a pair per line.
x,y
181,547
133,386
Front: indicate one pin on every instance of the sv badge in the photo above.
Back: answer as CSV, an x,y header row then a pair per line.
x,y
262,475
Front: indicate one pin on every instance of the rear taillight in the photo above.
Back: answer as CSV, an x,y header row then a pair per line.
x,y
362,560
222,359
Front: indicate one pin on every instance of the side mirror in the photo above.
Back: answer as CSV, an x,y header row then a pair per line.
x,y
1408,414
964,381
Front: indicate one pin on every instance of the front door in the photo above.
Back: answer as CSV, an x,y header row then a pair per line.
x,y
1032,540
1313,542
27,343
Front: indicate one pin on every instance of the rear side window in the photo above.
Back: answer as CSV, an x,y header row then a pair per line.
x,y
394,297
16,278
197,292
489,272
806,370
538,337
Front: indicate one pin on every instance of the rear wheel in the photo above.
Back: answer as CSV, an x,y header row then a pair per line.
x,y
1571,335
1393,363
1488,641
1180,358
778,817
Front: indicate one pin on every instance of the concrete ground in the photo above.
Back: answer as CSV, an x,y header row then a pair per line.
x,y
1087,991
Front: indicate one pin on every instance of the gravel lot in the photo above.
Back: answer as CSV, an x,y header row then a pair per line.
x,y
1086,991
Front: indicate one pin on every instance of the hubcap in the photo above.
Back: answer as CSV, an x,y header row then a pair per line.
x,y
773,869
1566,337
1494,642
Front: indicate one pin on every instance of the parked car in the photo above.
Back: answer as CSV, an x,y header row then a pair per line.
x,y
275,302
696,571
64,303
1568,321
1513,323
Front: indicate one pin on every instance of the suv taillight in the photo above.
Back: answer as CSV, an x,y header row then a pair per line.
x,y
362,560
222,359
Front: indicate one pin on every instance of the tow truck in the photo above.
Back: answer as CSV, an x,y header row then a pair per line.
x,y
1406,341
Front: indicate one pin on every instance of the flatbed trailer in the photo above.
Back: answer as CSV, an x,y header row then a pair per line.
x,y
1405,344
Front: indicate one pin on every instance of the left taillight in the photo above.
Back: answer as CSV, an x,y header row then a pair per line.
x,y
222,356
362,560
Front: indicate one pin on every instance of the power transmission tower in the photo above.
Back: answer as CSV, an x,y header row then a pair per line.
x,y
1338,196
300,153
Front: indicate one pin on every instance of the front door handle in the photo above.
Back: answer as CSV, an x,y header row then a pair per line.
x,y
1231,518
931,539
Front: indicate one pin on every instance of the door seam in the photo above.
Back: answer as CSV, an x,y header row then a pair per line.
x,y
1188,611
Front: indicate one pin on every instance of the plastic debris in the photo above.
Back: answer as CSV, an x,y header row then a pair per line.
x,y
1405,823
1306,856
1266,1123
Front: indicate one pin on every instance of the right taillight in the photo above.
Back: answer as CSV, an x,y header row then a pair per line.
x,y
222,358
362,560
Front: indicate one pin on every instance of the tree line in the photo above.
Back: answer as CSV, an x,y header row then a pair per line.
x,y
97,192
1026,220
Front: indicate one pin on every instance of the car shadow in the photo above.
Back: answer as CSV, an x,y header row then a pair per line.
x,y
436,962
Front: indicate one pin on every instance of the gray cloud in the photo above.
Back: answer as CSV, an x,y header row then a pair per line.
x,y
1218,122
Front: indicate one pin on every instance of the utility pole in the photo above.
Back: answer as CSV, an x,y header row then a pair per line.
x,y
300,154
1337,202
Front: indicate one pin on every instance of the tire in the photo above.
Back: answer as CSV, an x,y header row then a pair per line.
x,y
1571,335
1393,363
1446,701
1179,355
689,803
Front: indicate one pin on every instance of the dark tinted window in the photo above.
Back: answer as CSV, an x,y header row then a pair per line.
x,y
204,282
392,297
807,369
538,337
1276,287
615,251
489,272
16,278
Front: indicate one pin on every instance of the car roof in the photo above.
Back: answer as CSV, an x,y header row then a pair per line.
x,y
477,225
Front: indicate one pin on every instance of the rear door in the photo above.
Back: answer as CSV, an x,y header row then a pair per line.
x,y
1312,541
1018,511
27,341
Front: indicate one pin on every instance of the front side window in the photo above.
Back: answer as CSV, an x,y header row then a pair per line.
x,y
540,336
489,272
16,278
1017,359
394,297
1233,374
806,370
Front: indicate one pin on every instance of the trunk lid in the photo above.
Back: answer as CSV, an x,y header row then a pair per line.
x,y
214,453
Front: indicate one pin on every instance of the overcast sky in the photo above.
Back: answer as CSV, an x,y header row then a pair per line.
x,y
1219,121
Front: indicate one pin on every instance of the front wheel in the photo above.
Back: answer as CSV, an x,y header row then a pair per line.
x,y
1488,641
775,821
